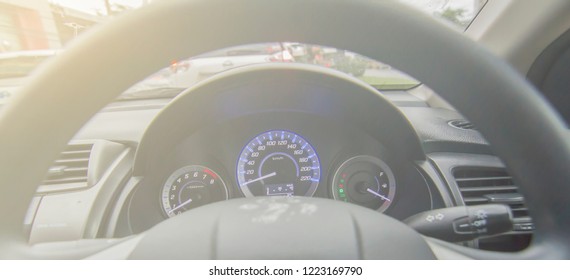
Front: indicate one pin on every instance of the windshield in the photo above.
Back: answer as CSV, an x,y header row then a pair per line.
x,y
186,73
458,13
32,31
19,66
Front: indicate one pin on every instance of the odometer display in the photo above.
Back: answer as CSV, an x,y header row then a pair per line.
x,y
279,163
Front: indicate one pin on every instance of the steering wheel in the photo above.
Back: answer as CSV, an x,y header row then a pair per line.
x,y
523,130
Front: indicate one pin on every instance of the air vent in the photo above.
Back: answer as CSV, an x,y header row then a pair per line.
x,y
69,171
462,124
489,185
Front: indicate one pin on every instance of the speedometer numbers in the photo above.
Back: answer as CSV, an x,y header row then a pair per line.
x,y
278,163
190,187
366,181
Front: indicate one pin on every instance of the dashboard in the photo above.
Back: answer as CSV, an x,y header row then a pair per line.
x,y
269,147
215,164
242,134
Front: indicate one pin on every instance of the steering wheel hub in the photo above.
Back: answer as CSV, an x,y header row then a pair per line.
x,y
282,228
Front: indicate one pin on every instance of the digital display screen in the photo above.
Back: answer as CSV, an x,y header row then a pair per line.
x,y
280,189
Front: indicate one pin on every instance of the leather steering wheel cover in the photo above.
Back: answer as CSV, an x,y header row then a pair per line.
x,y
522,128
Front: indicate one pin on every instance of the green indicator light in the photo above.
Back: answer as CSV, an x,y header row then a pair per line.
x,y
342,181
340,190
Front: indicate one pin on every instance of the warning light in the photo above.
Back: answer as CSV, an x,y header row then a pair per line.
x,y
341,186
343,175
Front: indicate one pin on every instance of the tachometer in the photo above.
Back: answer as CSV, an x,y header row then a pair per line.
x,y
279,163
190,187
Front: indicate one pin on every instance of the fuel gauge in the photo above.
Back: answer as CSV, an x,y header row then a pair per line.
x,y
366,181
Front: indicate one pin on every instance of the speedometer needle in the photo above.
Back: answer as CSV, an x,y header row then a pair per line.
x,y
377,194
260,178
180,206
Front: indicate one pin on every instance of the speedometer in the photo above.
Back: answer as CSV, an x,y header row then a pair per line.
x,y
278,163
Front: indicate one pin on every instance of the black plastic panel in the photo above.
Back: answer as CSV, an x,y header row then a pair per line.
x,y
432,126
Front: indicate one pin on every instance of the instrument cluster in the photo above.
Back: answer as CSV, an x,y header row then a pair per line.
x,y
281,162
330,138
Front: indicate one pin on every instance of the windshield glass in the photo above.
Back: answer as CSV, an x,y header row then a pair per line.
x,y
32,31
185,73
19,66
458,13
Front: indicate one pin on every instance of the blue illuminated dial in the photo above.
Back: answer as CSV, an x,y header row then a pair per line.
x,y
278,163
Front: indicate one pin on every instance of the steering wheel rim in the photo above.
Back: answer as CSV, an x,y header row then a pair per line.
x,y
414,43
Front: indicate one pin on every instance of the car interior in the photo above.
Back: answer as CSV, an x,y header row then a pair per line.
x,y
286,160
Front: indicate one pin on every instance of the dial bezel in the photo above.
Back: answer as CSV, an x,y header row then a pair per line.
x,y
369,159
262,138
166,188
